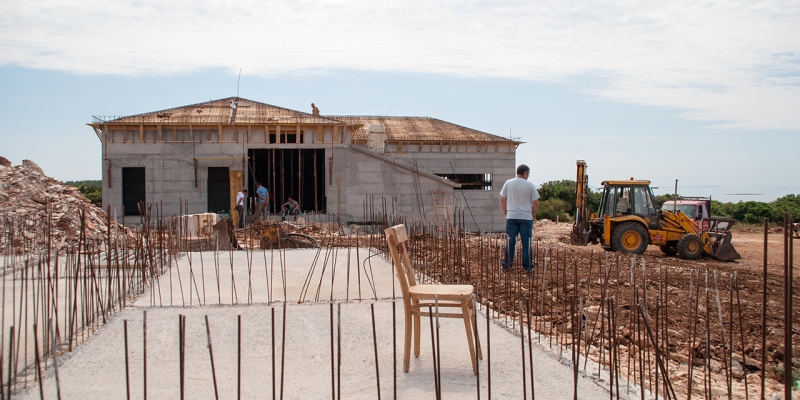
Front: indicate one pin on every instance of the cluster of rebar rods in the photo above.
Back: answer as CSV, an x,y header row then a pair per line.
x,y
670,330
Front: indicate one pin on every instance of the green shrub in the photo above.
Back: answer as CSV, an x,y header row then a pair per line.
x,y
555,210
565,191
93,190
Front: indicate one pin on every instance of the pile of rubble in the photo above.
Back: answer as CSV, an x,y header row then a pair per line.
x,y
37,211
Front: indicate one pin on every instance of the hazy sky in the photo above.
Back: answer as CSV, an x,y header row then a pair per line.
x,y
704,92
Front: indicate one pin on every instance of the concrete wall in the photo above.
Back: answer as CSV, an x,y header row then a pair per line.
x,y
362,175
481,207
169,173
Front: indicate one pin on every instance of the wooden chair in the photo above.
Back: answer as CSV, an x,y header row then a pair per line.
x,y
417,298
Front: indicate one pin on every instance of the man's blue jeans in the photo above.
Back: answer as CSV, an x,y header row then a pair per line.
x,y
524,228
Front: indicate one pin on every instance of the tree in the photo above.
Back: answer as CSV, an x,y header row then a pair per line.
x,y
787,204
751,212
565,192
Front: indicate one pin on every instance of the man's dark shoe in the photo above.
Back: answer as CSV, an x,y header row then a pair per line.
x,y
530,270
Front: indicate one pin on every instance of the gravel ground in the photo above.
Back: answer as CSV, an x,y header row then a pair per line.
x,y
97,368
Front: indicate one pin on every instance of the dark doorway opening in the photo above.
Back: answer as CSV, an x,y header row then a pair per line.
x,y
219,190
299,173
132,189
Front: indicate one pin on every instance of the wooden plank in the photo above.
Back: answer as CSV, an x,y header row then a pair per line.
x,y
320,137
278,135
235,186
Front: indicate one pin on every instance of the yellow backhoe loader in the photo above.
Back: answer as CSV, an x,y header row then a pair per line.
x,y
628,221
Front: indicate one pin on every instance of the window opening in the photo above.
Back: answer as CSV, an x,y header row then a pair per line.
x,y
470,181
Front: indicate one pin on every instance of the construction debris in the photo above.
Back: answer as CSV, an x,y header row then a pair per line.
x,y
32,203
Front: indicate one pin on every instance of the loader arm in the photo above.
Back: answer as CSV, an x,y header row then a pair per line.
x,y
580,229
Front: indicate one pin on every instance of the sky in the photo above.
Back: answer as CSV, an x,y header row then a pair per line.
x,y
707,93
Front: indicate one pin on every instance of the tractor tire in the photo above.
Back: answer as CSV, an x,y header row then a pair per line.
x,y
669,250
630,237
690,246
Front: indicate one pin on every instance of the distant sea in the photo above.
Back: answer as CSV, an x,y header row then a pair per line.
x,y
734,194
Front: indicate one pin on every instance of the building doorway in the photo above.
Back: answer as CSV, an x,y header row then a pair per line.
x,y
219,190
133,191
299,173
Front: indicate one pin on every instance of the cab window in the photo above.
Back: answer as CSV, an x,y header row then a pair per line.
x,y
642,202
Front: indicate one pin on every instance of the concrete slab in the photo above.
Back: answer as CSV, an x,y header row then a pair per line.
x,y
97,368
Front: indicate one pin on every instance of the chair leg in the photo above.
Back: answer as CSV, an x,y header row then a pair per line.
x,y
407,342
475,329
416,335
468,326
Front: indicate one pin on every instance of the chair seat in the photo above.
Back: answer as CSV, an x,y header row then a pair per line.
x,y
445,292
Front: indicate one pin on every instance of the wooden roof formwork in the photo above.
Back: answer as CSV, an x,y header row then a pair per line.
x,y
418,129
215,112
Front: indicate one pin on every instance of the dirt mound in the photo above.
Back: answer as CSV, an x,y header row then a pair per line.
x,y
31,204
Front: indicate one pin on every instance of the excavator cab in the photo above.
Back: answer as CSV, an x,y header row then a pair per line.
x,y
624,198
626,215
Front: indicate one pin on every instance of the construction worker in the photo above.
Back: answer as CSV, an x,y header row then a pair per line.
x,y
519,200
240,200
290,207
262,198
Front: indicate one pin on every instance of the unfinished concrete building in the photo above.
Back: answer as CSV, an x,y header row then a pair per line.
x,y
195,158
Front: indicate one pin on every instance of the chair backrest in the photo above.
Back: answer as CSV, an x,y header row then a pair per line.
x,y
397,238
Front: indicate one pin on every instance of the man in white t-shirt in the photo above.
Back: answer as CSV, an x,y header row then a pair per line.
x,y
241,198
519,200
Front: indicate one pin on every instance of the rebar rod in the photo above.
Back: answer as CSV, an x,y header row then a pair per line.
x,y
127,367
211,356
333,358
764,314
375,347
788,281
522,353
488,353
433,349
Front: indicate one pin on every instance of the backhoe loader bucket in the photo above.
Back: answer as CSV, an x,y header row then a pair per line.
x,y
579,237
720,233
726,252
